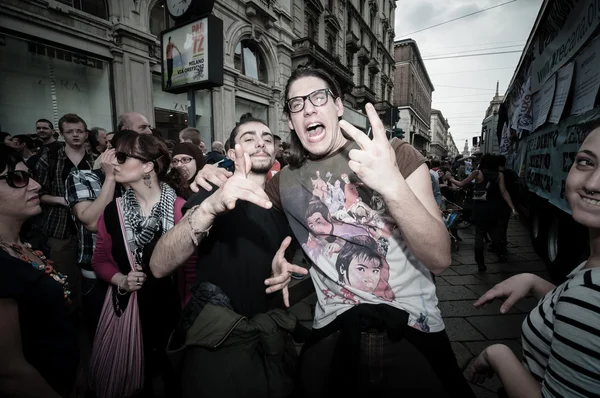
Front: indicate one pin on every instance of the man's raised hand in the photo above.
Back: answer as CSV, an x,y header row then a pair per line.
x,y
282,272
237,187
210,173
375,162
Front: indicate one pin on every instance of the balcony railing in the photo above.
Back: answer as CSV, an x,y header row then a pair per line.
x,y
352,42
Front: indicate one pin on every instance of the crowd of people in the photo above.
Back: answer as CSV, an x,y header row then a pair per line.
x,y
193,257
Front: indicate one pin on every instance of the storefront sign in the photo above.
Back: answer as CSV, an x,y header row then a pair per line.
x,y
549,155
192,55
587,79
551,54
564,77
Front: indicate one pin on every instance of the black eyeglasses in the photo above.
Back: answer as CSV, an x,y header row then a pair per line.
x,y
317,98
122,157
185,160
16,179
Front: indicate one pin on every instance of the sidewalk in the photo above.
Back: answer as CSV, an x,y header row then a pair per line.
x,y
471,330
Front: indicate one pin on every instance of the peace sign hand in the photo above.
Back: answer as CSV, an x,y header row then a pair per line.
x,y
238,187
375,163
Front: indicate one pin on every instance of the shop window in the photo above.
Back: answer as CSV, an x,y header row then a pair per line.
x,y
97,8
159,18
248,60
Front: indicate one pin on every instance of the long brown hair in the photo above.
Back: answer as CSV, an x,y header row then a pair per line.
x,y
298,154
155,150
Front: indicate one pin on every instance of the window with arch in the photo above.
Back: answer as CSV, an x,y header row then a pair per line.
x,y
310,29
249,60
97,8
330,43
349,23
372,20
160,18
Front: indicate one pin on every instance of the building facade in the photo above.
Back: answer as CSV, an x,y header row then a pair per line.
x,y
101,58
451,145
412,94
439,134
489,141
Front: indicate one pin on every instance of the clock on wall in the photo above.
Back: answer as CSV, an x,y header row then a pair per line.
x,y
182,9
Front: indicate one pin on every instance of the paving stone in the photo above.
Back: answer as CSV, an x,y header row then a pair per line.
x,y
523,249
462,353
527,304
465,269
475,347
459,329
493,278
463,280
517,267
464,308
440,281
466,259
449,272
498,327
480,289
446,293
530,256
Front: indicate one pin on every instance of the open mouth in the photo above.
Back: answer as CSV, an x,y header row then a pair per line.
x,y
592,202
315,131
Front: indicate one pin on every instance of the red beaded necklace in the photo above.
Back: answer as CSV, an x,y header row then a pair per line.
x,y
45,267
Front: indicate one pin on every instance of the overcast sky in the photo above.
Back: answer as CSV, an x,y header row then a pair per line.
x,y
500,29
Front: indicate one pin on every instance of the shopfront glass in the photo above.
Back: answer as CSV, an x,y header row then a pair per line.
x,y
171,112
42,81
243,106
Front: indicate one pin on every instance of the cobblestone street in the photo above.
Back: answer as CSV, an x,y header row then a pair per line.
x,y
470,329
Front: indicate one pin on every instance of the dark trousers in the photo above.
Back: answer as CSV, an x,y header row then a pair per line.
x,y
419,364
503,220
169,71
64,254
93,293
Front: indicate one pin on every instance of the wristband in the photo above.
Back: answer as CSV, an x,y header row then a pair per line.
x,y
197,234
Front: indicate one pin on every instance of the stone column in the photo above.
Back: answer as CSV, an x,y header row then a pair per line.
x,y
132,71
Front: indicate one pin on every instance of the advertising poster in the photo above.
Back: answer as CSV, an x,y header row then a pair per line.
x,y
525,118
542,102
587,78
185,55
550,153
564,77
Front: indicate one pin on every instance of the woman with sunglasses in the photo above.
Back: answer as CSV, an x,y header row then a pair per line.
x,y
150,208
189,159
38,343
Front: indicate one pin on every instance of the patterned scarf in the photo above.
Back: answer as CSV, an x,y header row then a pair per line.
x,y
140,231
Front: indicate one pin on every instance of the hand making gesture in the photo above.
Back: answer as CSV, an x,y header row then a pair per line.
x,y
375,162
238,187
282,272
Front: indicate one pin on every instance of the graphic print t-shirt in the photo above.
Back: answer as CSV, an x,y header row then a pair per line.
x,y
357,250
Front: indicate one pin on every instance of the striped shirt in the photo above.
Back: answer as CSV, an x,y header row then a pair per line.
x,y
561,337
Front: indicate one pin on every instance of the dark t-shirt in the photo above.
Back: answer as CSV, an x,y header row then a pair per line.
x,y
47,334
237,254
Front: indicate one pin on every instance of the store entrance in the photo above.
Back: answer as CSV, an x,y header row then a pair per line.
x,y
170,123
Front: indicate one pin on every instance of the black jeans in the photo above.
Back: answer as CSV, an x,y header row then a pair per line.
x,y
93,292
419,364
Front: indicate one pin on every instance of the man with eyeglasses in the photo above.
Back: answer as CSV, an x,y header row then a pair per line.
x,y
51,172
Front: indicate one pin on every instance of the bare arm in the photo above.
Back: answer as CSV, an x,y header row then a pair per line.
x,y
517,380
177,245
89,211
17,377
423,223
504,192
463,183
53,200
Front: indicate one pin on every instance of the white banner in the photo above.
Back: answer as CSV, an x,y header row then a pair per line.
x,y
581,23
587,79
542,102
564,77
